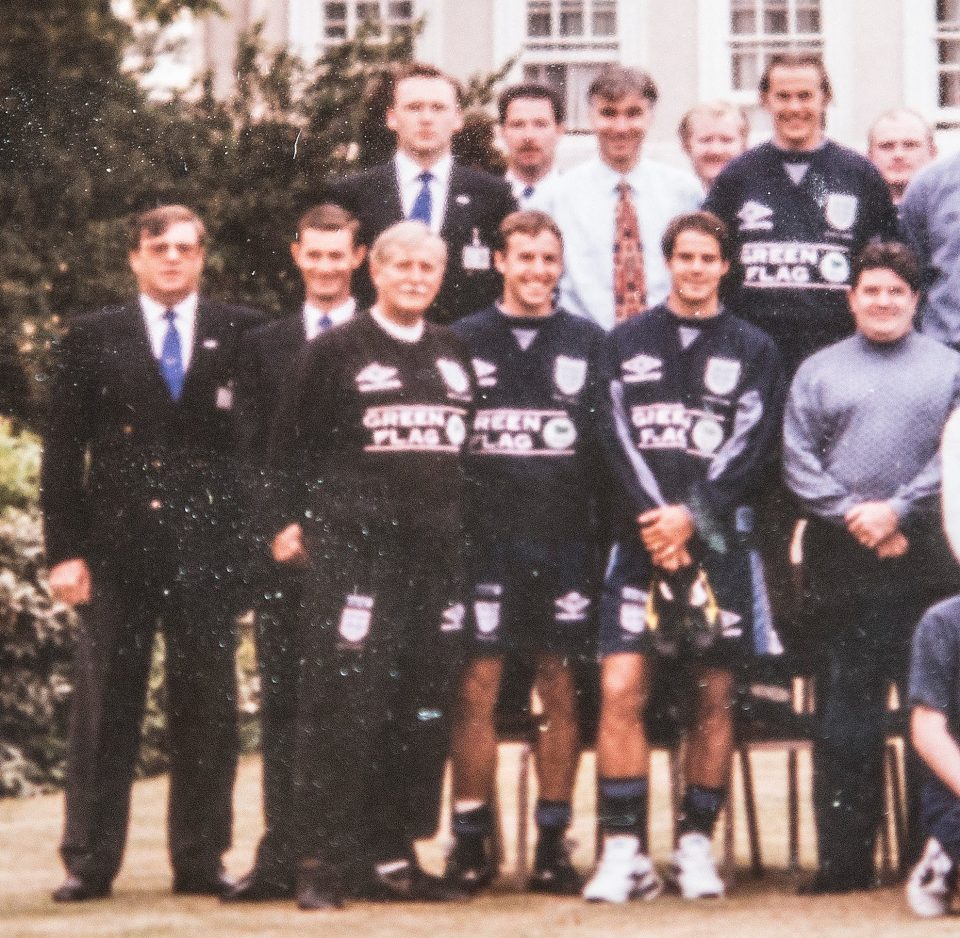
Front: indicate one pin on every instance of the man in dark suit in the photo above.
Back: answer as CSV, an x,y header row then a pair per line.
x,y
142,512
326,254
424,183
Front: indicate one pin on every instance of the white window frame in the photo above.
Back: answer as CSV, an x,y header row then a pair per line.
x,y
306,24
921,77
510,40
715,61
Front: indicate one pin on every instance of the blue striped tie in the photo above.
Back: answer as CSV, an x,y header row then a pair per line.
x,y
171,357
423,205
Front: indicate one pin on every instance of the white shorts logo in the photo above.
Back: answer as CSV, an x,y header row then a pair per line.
x,y
841,210
572,607
633,618
355,619
453,374
569,374
452,618
487,614
721,375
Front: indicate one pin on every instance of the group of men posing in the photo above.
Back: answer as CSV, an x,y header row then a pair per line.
x,y
590,461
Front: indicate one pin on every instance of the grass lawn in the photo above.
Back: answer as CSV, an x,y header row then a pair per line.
x,y
143,906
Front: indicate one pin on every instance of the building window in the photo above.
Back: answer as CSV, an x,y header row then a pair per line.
x,y
341,18
759,29
567,43
948,53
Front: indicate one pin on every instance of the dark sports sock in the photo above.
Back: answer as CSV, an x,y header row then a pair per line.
x,y
473,824
553,819
624,806
700,808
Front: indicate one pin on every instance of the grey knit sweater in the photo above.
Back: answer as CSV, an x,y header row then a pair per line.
x,y
863,423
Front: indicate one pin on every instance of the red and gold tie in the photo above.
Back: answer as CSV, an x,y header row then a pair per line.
x,y
629,279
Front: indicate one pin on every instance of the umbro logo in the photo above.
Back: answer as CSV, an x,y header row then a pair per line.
x,y
377,377
754,216
641,368
572,607
486,373
452,619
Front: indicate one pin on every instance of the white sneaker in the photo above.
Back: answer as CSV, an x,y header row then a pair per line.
x,y
694,870
930,885
624,873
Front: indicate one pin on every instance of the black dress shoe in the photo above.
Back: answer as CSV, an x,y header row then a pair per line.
x,y
404,881
212,883
76,889
256,888
318,891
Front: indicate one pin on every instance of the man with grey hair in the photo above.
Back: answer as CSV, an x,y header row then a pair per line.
x,y
608,279
367,449
712,134
900,143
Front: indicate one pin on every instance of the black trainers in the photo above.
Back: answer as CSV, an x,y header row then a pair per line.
x,y
469,866
553,873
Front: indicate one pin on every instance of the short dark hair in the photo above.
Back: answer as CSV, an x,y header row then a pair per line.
x,y
156,221
328,217
706,223
530,89
888,255
796,60
529,222
617,81
424,70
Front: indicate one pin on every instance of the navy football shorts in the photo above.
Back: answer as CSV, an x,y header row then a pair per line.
x,y
531,597
623,605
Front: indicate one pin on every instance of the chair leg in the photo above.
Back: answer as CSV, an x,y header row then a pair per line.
x,y
896,798
522,866
750,810
793,812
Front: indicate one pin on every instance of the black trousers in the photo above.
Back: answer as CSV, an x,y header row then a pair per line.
x,y
382,638
278,613
868,609
113,656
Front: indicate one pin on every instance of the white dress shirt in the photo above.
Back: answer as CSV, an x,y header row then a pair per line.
x,y
518,186
583,203
407,173
404,333
337,315
154,315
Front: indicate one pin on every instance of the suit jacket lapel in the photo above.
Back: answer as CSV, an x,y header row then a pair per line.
x,y
457,212
141,360
389,186
205,342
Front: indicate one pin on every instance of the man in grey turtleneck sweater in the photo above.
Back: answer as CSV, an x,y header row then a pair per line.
x,y
861,437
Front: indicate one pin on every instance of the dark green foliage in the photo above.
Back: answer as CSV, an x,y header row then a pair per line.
x,y
82,148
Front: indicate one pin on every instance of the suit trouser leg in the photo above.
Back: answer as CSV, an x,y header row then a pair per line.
x,y
278,659
405,795
202,730
113,653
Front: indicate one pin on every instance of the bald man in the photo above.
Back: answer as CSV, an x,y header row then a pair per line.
x,y
900,143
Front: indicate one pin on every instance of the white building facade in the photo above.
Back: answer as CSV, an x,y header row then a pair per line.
x,y
879,53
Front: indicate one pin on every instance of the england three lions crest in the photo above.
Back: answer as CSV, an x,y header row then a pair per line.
x,y
841,210
569,374
721,375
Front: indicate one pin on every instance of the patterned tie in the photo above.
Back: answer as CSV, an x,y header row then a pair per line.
x,y
171,357
629,279
423,204
527,192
